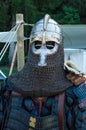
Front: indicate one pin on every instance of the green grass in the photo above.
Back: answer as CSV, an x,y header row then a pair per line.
x,y
6,69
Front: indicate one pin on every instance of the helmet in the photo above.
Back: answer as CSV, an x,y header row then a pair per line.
x,y
45,37
46,30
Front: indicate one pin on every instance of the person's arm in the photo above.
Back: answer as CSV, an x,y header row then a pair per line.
x,y
80,115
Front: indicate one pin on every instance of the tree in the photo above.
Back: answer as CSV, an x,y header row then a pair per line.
x,y
47,6
70,16
80,5
4,16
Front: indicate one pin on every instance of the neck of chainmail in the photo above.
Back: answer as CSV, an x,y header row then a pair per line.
x,y
37,81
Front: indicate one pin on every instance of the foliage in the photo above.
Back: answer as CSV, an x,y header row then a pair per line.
x,y
4,16
30,12
70,16
5,60
64,11
48,6
6,69
80,5
17,6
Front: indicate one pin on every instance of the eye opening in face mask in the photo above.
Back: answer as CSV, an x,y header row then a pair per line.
x,y
50,44
37,44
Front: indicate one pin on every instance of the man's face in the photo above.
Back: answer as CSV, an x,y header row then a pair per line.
x,y
44,50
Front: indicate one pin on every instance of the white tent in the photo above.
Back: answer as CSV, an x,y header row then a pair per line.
x,y
74,36
78,56
6,36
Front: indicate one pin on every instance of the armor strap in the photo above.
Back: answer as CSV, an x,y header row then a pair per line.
x,y
61,98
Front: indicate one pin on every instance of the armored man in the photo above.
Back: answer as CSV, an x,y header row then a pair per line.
x,y
45,94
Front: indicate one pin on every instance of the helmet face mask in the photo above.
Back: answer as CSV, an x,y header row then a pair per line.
x,y
44,50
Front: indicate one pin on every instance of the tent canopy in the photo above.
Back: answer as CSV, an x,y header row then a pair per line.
x,y
9,37
74,36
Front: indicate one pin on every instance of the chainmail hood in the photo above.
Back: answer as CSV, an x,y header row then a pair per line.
x,y
37,81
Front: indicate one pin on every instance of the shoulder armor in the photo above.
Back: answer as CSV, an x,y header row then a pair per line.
x,y
74,73
76,79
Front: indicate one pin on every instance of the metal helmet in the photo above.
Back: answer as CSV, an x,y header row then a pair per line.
x,y
46,30
45,36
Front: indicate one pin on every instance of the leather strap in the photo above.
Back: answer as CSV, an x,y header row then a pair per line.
x,y
61,98
40,100
16,93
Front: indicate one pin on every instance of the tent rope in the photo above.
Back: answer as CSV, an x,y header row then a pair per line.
x,y
11,36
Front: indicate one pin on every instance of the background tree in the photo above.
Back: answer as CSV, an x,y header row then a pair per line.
x,y
68,15
33,10
4,15
80,5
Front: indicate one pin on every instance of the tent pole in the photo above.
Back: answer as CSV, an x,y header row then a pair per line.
x,y
13,60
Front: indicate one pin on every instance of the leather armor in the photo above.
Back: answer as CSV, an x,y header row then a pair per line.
x,y
23,113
